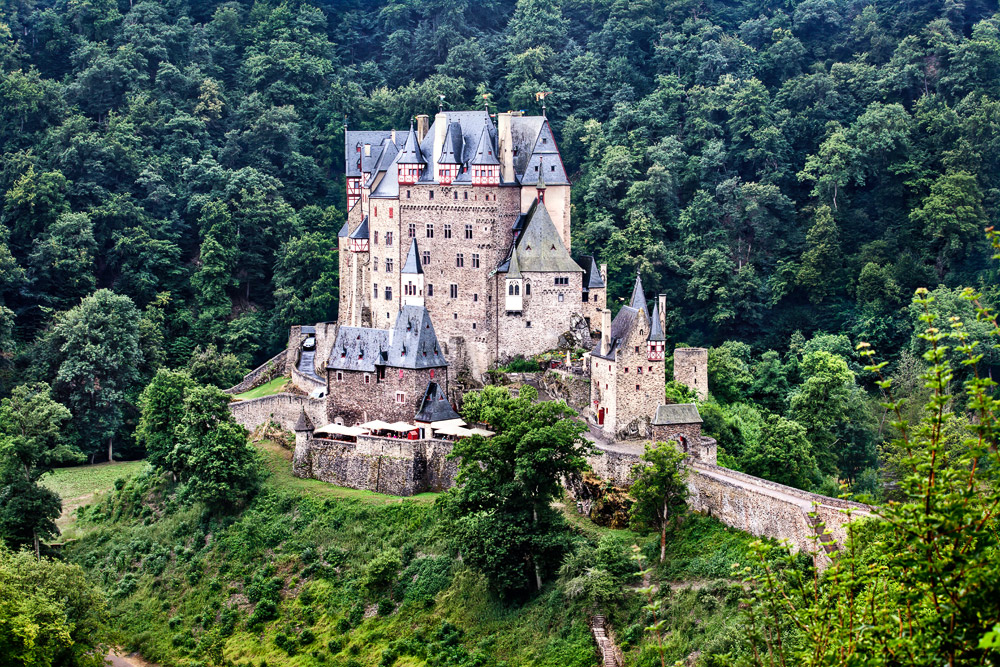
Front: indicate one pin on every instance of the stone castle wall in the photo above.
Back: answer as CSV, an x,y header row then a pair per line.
x,y
395,467
359,397
281,408
547,315
267,371
691,369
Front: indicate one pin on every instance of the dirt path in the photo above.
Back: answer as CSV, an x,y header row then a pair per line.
x,y
118,658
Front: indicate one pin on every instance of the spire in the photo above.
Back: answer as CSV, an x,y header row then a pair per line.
x,y
484,151
411,149
514,271
412,264
656,334
451,150
304,423
638,296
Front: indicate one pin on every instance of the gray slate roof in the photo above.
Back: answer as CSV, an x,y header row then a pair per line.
x,y
620,328
411,153
411,343
412,264
303,423
655,330
344,231
638,300
358,349
354,139
362,231
434,406
540,248
485,151
451,149
592,274
683,413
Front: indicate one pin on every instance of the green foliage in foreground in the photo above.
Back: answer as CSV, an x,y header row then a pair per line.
x,y
51,614
921,587
303,577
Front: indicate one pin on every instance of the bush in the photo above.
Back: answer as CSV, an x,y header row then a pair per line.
x,y
385,607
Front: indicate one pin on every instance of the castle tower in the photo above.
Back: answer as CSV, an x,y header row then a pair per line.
x,y
657,341
691,369
484,165
302,461
449,162
413,278
411,162
638,300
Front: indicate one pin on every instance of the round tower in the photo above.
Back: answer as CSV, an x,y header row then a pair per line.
x,y
691,369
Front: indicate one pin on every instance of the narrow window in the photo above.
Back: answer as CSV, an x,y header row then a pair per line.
x,y
375,295
376,211
407,194
375,264
340,376
430,195
388,266
430,230
527,289
560,298
376,238
459,260
475,297
430,290
454,291
527,325
388,296
468,231
427,257
368,378
475,260
456,194
390,213
637,387
466,195
412,230
400,396
388,238
447,231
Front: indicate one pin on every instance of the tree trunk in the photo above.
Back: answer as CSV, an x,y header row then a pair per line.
x,y
38,550
534,561
111,451
663,533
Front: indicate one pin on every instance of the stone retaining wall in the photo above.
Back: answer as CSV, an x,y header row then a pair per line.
x,y
267,371
384,465
281,408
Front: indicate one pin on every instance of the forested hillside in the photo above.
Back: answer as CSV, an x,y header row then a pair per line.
x,y
772,167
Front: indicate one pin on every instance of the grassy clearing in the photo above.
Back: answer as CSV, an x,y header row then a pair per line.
x,y
81,485
273,387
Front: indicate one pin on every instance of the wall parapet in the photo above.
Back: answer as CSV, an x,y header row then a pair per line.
x,y
281,408
267,371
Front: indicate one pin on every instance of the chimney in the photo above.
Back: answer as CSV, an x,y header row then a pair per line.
x,y
393,136
440,130
662,299
368,150
505,146
606,331
423,123
604,274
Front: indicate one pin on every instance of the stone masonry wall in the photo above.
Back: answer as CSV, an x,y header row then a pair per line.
x,y
668,432
281,408
691,369
355,400
635,407
267,371
544,318
396,467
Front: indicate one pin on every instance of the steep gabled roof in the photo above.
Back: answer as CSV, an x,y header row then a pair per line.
x,y
451,149
540,248
412,264
682,413
413,343
621,326
358,349
655,330
355,139
513,267
485,154
344,231
386,158
434,406
638,300
411,153
362,231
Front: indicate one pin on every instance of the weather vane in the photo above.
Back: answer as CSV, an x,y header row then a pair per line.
x,y
540,97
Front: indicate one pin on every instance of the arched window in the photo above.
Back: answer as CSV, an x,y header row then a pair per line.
x,y
517,290
527,289
510,289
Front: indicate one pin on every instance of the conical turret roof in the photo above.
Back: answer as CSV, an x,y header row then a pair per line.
x,y
514,271
484,152
656,334
304,423
638,296
451,149
412,264
411,150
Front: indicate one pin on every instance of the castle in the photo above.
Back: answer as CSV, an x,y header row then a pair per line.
x,y
472,222
454,259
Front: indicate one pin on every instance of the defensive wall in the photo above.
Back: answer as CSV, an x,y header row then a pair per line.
x,y
751,504
267,371
385,465
283,409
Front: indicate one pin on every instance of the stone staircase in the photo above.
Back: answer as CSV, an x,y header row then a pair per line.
x,y
610,654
